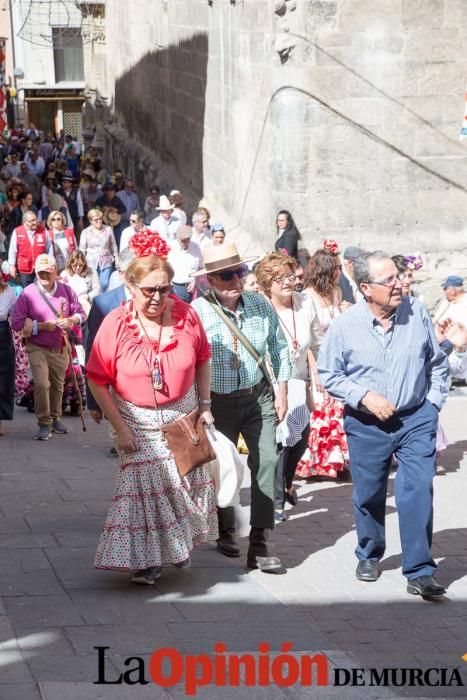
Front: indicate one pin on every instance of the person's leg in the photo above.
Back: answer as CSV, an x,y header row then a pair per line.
x,y
226,421
370,450
294,454
258,427
280,478
40,376
58,362
416,455
104,277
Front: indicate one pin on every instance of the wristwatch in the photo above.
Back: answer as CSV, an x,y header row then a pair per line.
x,y
205,402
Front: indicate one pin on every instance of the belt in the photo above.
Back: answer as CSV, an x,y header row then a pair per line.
x,y
241,392
4,322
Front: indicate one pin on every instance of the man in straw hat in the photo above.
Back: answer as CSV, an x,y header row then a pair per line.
x,y
43,313
240,394
166,224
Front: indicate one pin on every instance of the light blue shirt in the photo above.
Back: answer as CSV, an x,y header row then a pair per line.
x,y
404,364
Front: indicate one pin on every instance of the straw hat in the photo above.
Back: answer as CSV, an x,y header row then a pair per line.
x,y
111,217
221,257
164,203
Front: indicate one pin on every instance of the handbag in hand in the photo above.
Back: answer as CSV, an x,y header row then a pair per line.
x,y
187,440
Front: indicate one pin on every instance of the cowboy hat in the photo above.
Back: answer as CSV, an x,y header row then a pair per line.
x,y
221,257
112,217
164,203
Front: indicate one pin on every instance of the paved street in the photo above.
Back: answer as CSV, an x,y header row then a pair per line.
x,y
55,607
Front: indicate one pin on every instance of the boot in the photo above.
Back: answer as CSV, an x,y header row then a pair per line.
x,y
258,556
227,542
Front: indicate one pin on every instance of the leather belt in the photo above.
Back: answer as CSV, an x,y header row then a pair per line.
x,y
241,392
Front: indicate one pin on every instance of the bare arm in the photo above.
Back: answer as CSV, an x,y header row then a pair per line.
x,y
203,379
125,439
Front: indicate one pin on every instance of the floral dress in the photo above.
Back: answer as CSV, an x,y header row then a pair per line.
x,y
327,453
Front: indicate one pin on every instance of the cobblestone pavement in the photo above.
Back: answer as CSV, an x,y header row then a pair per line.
x,y
55,608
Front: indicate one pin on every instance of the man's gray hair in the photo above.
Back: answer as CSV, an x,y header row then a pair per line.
x,y
361,266
28,214
125,259
139,213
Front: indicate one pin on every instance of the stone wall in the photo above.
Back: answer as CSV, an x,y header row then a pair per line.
x,y
346,112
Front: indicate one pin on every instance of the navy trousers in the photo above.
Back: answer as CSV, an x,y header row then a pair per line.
x,y
411,436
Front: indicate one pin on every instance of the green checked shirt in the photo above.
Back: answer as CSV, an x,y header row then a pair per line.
x,y
258,321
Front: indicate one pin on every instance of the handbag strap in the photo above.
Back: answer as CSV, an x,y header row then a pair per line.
x,y
242,338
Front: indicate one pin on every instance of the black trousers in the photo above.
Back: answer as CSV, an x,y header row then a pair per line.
x,y
253,416
286,466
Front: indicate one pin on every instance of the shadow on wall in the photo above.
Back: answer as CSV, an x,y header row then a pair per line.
x,y
162,102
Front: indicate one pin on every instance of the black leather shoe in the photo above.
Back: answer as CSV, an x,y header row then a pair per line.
x,y
425,586
367,570
291,497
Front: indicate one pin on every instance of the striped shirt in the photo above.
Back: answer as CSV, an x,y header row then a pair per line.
x,y
258,321
404,364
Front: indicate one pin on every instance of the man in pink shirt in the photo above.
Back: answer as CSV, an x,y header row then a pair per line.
x,y
44,311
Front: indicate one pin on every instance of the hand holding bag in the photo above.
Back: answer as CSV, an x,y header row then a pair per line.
x,y
187,440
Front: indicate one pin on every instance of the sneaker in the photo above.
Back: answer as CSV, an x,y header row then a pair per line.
x,y
185,564
59,427
43,433
147,576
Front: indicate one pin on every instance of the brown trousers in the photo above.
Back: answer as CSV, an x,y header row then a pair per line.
x,y
48,367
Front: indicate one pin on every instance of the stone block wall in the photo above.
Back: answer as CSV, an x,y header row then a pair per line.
x,y
346,112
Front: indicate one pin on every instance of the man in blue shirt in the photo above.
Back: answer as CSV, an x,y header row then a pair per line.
x,y
382,359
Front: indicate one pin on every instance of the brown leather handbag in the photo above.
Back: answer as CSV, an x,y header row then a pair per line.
x,y
187,440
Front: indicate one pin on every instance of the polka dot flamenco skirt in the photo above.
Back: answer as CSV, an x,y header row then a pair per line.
x,y
156,516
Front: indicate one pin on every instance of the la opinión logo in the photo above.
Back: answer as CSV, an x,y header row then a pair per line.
x,y
168,667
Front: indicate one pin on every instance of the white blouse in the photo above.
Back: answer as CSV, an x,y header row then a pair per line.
x,y
307,332
7,302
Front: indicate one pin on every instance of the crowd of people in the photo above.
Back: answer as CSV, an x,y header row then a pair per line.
x,y
324,367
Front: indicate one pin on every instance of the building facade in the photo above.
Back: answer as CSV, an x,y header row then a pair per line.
x,y
346,112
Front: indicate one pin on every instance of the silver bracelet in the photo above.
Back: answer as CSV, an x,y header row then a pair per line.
x,y
206,402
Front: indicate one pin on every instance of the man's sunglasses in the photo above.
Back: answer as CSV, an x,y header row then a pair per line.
x,y
228,275
151,291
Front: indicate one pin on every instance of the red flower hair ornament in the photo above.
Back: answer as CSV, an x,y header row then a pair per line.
x,y
147,242
331,245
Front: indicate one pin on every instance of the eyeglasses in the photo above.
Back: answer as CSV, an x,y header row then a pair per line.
x,y
56,218
284,278
134,221
228,275
97,218
390,282
151,291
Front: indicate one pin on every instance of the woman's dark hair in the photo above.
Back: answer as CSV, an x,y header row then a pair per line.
x,y
400,262
321,273
291,225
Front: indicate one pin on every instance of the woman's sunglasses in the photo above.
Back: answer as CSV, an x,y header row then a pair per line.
x,y
228,275
150,291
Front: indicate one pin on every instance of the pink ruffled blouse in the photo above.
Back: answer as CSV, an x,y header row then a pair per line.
x,y
118,355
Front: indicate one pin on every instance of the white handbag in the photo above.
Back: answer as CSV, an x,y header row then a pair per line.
x,y
227,469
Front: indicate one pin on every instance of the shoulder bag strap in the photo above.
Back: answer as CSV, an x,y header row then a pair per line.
x,y
49,304
243,339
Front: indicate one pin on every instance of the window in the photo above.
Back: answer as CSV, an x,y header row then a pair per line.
x,y
68,54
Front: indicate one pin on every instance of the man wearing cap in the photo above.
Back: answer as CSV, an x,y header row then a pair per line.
x,y
186,259
454,306
175,198
44,330
241,399
166,224
27,242
350,293
382,360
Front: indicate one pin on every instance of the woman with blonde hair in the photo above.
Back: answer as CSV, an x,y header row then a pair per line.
x,y
99,246
327,454
298,318
62,238
149,365
82,279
